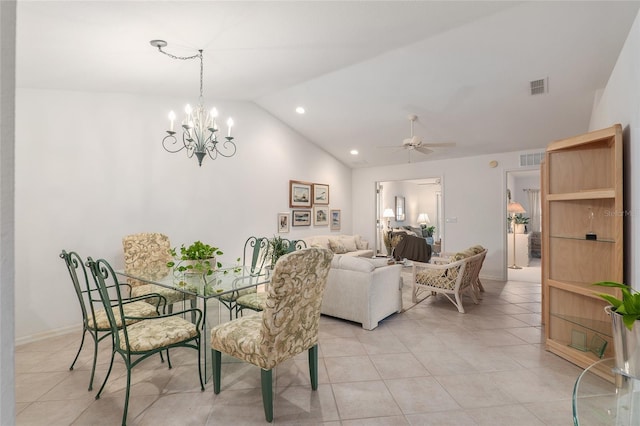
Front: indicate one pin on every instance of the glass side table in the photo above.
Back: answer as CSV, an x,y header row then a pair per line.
x,y
598,401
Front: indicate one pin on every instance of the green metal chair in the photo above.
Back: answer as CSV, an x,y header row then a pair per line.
x,y
254,300
146,337
254,256
286,327
94,318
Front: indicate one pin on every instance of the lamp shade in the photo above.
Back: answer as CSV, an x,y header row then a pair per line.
x,y
423,218
388,213
514,207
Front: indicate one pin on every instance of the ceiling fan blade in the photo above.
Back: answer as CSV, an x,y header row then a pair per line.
x,y
390,146
439,144
423,150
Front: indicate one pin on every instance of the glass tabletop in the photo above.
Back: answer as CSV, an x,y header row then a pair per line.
x,y
221,282
605,401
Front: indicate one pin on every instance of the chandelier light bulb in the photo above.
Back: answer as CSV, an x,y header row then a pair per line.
x,y
230,125
172,117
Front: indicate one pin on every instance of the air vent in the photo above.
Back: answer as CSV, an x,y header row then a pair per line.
x,y
533,159
538,87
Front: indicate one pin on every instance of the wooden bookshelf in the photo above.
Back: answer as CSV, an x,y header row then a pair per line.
x,y
582,194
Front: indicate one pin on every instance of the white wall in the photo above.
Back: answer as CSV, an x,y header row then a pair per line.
x,y
90,169
620,103
473,194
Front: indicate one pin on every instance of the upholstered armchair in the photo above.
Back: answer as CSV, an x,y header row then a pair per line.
x,y
94,318
452,277
146,255
145,337
287,326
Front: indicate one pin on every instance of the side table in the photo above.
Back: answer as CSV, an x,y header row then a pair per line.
x,y
597,401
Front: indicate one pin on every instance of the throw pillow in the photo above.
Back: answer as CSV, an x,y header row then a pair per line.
x,y
360,243
349,243
336,246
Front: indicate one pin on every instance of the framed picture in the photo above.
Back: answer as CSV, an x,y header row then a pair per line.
x,y
335,220
399,209
320,194
283,223
301,217
299,194
320,215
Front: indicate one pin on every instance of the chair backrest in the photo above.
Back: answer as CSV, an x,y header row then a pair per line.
x,y
87,296
255,254
108,287
293,245
146,254
472,270
291,315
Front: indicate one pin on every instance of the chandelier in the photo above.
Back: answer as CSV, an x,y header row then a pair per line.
x,y
199,127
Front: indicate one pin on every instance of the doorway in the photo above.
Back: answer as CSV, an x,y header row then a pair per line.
x,y
523,233
421,206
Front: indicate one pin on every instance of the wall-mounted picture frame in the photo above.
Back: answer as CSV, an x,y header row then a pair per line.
x,y
400,212
283,223
300,217
320,194
320,215
335,220
300,194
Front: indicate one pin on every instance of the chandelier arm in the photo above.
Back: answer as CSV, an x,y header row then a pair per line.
x,y
170,139
229,146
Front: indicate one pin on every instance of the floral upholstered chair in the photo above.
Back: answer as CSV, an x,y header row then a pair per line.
x,y
94,318
146,254
145,337
287,326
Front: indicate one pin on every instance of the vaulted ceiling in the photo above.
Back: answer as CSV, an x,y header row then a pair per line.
x,y
358,68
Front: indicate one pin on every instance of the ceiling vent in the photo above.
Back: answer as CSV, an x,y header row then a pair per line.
x,y
532,159
539,87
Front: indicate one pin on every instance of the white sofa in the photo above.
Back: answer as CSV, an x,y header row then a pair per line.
x,y
350,245
362,290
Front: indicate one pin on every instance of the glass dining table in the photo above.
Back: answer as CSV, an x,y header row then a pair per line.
x,y
203,288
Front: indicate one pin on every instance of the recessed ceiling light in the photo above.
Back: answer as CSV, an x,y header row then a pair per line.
x,y
300,110
354,152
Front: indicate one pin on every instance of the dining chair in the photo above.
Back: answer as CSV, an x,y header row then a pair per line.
x,y
146,254
147,336
254,300
287,326
94,318
254,257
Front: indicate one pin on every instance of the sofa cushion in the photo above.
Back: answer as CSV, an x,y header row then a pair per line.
x,y
355,264
360,243
349,242
337,246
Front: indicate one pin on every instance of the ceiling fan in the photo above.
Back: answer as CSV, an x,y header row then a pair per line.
x,y
414,143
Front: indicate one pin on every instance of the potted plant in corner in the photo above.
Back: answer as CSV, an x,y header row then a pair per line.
x,y
520,221
624,313
429,230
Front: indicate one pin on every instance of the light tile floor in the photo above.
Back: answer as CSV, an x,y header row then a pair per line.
x,y
429,365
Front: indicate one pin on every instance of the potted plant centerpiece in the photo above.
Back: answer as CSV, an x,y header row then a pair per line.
x,y
429,230
197,259
624,313
278,247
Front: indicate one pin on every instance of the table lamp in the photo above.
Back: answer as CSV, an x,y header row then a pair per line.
x,y
388,214
423,219
514,208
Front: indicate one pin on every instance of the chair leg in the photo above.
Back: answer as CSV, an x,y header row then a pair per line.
x,y
84,332
313,366
169,360
216,360
200,367
113,353
126,396
95,358
266,377
193,314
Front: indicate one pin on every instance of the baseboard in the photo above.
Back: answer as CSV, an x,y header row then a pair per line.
x,y
47,334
